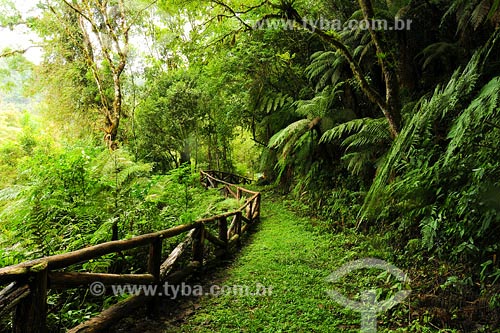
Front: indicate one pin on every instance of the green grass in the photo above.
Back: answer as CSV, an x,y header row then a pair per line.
x,y
287,254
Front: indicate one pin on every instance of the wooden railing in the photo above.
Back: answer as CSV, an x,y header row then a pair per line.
x,y
226,177
28,282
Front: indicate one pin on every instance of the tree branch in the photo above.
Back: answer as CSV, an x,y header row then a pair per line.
x,y
235,14
80,12
371,93
136,17
15,52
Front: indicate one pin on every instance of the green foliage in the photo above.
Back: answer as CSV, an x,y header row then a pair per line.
x,y
168,122
472,14
445,189
208,86
483,109
325,68
72,197
442,101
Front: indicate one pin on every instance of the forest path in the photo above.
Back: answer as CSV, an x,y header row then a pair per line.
x,y
287,261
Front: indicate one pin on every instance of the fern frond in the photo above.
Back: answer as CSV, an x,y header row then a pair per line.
x,y
355,125
286,133
438,52
426,112
325,68
118,168
482,108
127,174
320,105
373,133
356,161
11,193
480,13
273,102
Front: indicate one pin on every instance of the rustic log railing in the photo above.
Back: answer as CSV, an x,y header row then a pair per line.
x,y
28,282
227,177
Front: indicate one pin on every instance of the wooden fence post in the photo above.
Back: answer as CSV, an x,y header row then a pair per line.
x,y
238,193
238,229
257,208
31,312
154,260
250,211
198,240
223,234
154,263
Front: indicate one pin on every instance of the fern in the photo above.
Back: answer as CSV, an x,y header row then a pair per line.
x,y
322,104
471,13
373,132
118,170
356,161
325,68
355,125
439,53
481,109
426,112
271,103
285,135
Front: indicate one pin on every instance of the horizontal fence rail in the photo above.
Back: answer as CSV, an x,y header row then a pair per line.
x,y
28,283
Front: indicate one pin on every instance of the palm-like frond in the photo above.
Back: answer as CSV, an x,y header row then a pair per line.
x,y
118,169
321,104
356,161
286,135
355,125
472,13
364,138
325,68
272,102
440,53
373,133
426,112
484,107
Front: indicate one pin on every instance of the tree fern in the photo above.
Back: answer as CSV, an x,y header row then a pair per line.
x,y
322,104
355,125
118,170
362,139
472,13
440,53
272,102
374,132
356,161
292,131
325,68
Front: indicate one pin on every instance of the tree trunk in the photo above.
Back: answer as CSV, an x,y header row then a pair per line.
x,y
390,106
392,111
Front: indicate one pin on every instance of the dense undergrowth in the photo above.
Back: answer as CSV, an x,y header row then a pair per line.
x,y
73,197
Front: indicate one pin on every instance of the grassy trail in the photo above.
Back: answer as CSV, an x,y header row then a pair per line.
x,y
287,255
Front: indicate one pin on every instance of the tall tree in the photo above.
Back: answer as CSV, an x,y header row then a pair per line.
x,y
105,27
